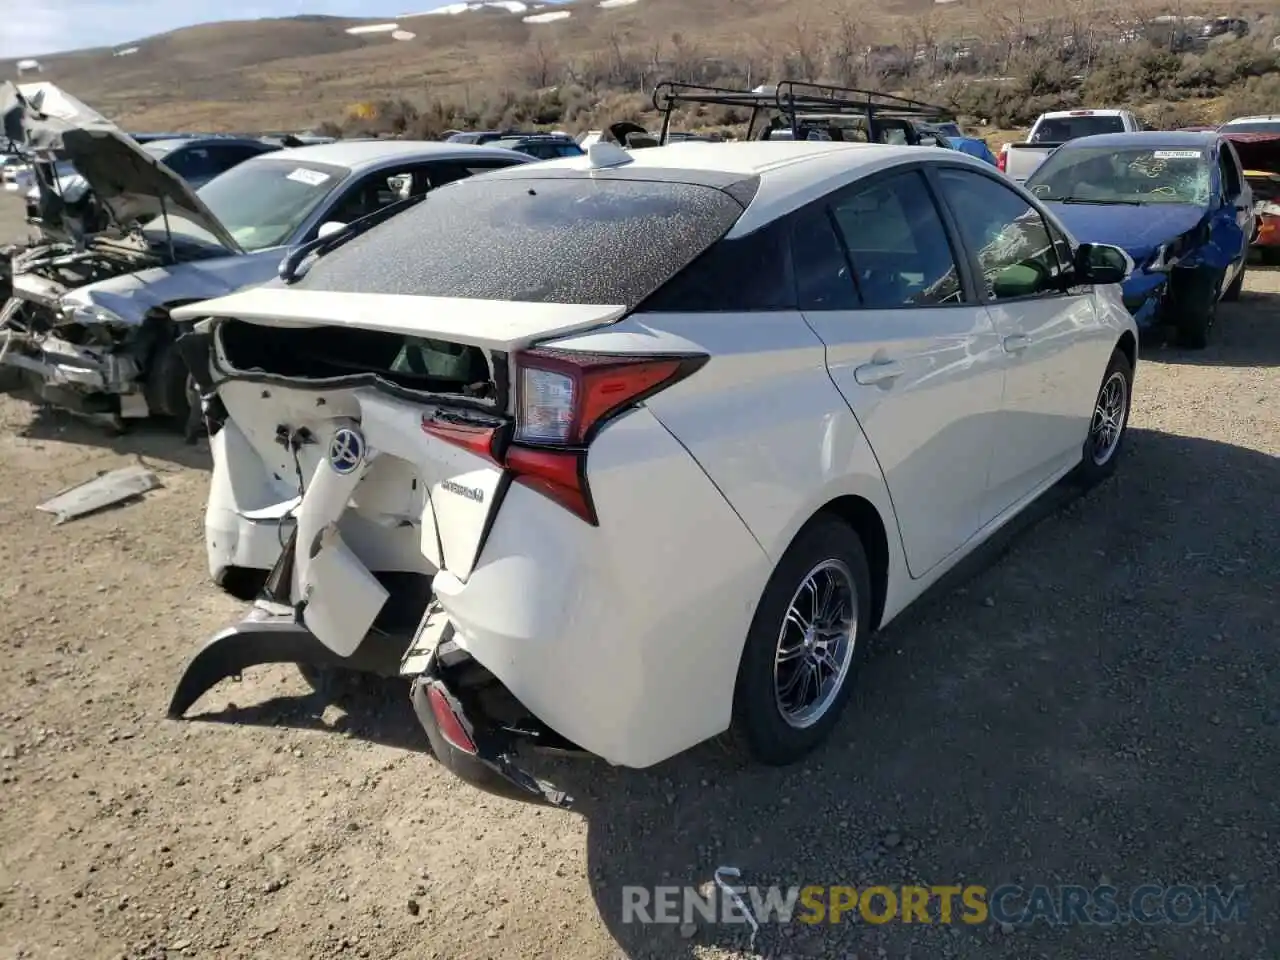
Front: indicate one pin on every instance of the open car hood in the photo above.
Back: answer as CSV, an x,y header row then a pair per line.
x,y
44,121
1257,151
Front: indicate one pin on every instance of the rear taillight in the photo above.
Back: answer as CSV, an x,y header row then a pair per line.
x,y
477,439
1002,161
448,720
563,399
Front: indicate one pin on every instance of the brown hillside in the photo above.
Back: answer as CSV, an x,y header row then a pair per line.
x,y
297,72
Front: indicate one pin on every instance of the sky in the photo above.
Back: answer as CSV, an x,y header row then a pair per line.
x,y
31,28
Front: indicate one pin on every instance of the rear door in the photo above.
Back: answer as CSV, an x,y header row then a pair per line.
x,y
916,357
1050,346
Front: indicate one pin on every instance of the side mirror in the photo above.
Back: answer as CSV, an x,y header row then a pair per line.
x,y
332,226
928,140
1102,263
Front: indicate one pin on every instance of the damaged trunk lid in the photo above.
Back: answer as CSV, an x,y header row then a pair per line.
x,y
44,121
372,398
1259,155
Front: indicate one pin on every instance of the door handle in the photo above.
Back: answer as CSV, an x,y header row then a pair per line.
x,y
1016,343
884,371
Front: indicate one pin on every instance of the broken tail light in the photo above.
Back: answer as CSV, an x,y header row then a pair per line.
x,y
449,721
563,399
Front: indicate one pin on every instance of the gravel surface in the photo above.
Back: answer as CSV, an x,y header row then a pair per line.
x,y
1092,700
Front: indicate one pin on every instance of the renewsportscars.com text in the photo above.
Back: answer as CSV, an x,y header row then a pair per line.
x,y
969,904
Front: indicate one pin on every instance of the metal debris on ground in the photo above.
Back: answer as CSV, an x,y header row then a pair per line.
x,y
104,490
722,877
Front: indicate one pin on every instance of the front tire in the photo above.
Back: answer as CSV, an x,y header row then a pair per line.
x,y
809,633
1193,306
1108,425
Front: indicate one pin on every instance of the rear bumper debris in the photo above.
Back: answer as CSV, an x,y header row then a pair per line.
x,y
269,635
471,746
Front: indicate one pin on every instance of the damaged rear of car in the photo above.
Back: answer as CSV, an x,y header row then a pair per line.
x,y
1260,156
81,327
395,440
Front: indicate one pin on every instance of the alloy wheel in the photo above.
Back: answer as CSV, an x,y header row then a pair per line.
x,y
815,644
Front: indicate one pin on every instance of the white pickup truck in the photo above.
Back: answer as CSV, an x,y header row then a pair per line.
x,y
1052,130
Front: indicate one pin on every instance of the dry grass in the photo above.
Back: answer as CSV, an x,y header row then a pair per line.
x,y
298,72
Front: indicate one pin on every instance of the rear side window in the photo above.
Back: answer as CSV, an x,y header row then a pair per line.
x,y
823,278
562,240
740,275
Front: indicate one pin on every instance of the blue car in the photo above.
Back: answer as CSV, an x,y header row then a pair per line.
x,y
1176,202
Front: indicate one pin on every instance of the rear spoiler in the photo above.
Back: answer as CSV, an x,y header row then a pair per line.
x,y
499,325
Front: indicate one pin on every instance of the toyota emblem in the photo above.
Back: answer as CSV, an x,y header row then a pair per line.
x,y
346,451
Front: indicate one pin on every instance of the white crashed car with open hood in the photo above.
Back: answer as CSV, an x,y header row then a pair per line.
x,y
89,325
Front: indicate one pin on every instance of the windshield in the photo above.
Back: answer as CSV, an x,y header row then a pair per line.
x,y
1108,175
1062,129
262,202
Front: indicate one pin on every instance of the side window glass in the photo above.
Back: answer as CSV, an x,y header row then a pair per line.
x,y
1230,175
743,275
435,175
823,278
896,241
1007,235
892,133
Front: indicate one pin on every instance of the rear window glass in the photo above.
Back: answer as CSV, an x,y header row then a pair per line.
x,y
1062,129
561,240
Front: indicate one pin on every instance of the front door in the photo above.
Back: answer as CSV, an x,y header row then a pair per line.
x,y
1232,225
1050,343
915,357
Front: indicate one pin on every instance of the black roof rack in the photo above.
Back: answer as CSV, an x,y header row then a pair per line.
x,y
793,100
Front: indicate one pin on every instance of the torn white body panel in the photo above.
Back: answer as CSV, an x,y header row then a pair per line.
x,y
371,473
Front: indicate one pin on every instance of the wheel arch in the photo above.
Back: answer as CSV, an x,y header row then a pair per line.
x,y
862,515
1128,345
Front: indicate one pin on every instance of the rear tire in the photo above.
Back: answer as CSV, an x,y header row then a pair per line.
x,y
1270,256
794,683
1102,450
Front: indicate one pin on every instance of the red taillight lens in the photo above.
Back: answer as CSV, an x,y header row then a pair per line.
x,y
563,398
1002,161
478,440
450,724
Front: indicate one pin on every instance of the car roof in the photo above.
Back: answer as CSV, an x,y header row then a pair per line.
x,y
1067,114
359,154
791,173
175,142
1268,118
1187,139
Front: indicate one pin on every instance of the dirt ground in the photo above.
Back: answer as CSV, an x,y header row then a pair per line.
x,y
1096,699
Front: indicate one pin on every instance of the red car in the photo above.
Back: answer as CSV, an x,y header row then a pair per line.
x,y
1260,156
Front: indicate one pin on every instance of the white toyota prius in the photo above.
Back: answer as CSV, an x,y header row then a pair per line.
x,y
622,451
